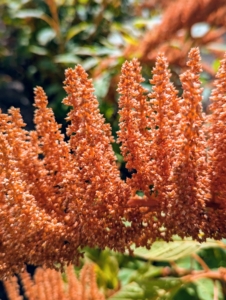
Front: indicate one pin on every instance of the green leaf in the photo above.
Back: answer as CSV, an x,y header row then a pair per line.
x,y
126,33
107,273
96,50
14,5
90,63
124,275
161,288
163,251
119,157
106,267
188,263
216,64
140,22
35,13
214,257
129,292
74,30
46,35
66,58
188,292
29,13
38,50
101,85
205,289
130,40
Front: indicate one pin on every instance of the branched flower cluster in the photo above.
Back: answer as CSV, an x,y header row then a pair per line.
x,y
49,284
57,197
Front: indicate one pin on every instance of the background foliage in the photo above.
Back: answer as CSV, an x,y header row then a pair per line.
x,y
167,271
39,39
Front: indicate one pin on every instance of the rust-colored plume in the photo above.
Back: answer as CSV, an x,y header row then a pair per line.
x,y
58,197
49,284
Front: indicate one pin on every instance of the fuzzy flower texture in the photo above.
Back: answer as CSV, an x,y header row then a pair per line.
x,y
57,197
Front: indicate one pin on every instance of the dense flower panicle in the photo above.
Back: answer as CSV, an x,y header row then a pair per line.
x,y
136,135
30,231
56,156
164,106
217,141
166,115
136,132
100,196
13,289
17,205
49,284
190,175
134,120
217,154
57,197
52,191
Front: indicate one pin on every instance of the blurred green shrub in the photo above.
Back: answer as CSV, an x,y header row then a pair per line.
x,y
39,39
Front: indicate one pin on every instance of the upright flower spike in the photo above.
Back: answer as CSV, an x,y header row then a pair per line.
x,y
49,284
136,135
15,201
133,112
100,195
165,112
18,207
164,104
217,155
56,158
22,174
217,141
53,192
153,124
190,169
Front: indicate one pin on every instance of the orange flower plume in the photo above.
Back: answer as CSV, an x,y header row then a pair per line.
x,y
58,197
